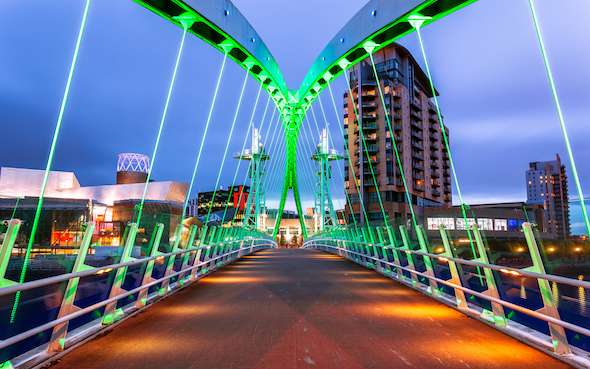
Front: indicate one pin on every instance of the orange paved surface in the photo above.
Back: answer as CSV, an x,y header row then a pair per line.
x,y
292,308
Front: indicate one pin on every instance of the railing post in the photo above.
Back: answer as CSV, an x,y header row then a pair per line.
x,y
455,270
171,259
189,246
58,335
6,251
492,291
560,344
425,247
147,274
111,308
407,246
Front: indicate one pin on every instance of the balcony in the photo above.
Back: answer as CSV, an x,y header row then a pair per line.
x,y
397,117
446,173
367,172
434,165
416,145
369,105
447,189
417,166
417,156
370,126
433,118
399,182
433,155
418,187
435,184
397,127
414,104
368,94
370,182
446,165
433,127
435,193
431,108
397,106
416,116
434,174
445,156
417,136
433,137
369,116
447,197
433,146
446,181
417,175
416,125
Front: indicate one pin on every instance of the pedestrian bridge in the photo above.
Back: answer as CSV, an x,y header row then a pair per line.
x,y
359,294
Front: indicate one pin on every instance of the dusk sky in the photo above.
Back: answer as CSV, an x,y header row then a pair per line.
x,y
485,59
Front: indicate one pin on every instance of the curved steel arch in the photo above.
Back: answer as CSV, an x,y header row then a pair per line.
x,y
221,24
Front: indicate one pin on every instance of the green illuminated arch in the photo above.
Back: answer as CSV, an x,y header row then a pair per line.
x,y
220,24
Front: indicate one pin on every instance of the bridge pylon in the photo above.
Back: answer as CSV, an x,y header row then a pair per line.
x,y
255,212
324,216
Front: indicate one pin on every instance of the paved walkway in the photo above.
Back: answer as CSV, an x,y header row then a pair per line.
x,y
292,308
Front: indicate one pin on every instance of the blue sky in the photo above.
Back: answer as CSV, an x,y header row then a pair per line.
x,y
485,60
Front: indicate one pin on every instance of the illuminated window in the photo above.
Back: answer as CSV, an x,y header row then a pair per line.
x,y
500,225
529,182
435,223
461,223
485,224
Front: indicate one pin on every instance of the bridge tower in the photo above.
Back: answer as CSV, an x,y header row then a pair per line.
x,y
324,210
255,214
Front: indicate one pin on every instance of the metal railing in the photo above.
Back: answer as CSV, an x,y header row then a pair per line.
x,y
217,246
417,266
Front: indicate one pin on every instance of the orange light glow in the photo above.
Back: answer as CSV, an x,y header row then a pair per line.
x,y
443,259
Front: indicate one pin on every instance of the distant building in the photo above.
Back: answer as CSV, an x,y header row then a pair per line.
x,y
502,221
235,197
415,131
192,207
546,185
68,205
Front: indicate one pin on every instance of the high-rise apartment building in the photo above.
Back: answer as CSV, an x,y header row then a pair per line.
x,y
414,128
547,187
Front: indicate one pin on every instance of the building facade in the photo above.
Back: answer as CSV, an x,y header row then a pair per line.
x,y
546,185
414,129
235,197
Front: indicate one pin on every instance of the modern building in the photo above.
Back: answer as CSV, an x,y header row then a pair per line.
x,y
414,129
501,221
546,185
67,205
235,197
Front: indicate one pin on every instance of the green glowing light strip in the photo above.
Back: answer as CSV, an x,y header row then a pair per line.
x,y
15,206
332,177
149,174
239,160
392,134
362,135
280,166
339,171
561,120
305,178
307,152
50,160
332,143
231,132
356,185
444,134
190,187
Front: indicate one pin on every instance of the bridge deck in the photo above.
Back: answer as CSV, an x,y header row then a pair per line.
x,y
291,308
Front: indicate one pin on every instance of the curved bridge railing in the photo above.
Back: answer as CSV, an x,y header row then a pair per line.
x,y
81,303
521,302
